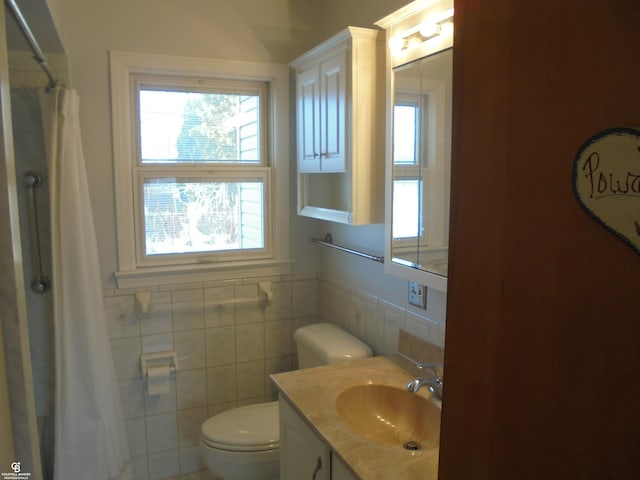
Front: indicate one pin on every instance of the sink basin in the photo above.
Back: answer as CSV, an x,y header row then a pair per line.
x,y
390,416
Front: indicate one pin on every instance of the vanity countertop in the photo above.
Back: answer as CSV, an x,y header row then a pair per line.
x,y
313,392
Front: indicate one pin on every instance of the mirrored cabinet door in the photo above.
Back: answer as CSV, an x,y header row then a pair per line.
x,y
421,163
418,174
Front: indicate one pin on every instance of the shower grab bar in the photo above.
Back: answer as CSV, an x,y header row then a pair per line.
x,y
328,242
33,181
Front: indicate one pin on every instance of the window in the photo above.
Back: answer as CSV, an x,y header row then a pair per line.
x,y
408,195
196,157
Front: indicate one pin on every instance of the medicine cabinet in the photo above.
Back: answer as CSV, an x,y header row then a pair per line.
x,y
418,173
340,128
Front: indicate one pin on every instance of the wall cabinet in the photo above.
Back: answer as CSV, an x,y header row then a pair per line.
x,y
340,88
303,456
321,115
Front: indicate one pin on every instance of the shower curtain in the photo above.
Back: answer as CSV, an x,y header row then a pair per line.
x,y
90,435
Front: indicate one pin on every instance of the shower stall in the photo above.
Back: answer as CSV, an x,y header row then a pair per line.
x,y
63,407
26,300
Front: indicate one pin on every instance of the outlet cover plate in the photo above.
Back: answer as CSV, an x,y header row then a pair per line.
x,y
418,295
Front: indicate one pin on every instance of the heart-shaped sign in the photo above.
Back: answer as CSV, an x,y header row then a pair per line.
x,y
606,180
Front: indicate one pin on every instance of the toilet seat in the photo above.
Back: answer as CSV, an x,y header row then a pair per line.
x,y
252,428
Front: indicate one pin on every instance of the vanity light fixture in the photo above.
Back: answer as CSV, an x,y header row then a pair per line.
x,y
428,29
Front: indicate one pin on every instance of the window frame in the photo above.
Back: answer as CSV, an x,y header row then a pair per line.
x,y
134,270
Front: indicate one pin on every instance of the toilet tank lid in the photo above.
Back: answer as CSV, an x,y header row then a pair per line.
x,y
248,426
332,343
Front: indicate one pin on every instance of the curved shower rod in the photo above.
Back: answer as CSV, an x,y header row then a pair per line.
x,y
38,55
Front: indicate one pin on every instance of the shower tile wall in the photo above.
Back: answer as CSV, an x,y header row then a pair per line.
x,y
30,155
226,353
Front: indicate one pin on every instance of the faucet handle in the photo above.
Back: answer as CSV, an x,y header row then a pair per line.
x,y
437,369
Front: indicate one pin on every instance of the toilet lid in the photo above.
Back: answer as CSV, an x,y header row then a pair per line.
x,y
250,428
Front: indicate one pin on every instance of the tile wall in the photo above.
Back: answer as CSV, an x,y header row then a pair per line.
x,y
227,352
225,356
374,320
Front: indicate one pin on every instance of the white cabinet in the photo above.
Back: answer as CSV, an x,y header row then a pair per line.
x,y
340,125
303,456
321,116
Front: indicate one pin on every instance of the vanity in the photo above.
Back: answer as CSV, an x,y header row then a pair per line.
x,y
354,420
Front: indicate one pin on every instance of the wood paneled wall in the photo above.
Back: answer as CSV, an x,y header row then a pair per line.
x,y
543,317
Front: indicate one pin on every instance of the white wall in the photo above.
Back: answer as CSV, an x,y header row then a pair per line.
x,y
265,31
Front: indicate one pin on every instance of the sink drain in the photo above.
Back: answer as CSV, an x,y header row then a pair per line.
x,y
411,445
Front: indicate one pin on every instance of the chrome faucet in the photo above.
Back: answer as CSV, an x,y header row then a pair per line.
x,y
434,385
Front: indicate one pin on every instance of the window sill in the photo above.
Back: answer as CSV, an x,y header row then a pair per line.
x,y
167,275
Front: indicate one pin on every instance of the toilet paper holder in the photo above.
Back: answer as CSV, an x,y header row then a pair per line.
x,y
158,359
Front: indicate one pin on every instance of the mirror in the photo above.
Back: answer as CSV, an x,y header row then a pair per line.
x,y
421,158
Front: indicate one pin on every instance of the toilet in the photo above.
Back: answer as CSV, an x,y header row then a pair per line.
x,y
244,443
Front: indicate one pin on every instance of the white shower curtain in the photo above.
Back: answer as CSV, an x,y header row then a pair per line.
x,y
90,435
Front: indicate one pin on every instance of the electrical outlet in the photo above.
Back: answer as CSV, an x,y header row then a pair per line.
x,y
418,295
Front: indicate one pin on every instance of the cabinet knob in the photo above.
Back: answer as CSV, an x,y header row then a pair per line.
x,y
315,155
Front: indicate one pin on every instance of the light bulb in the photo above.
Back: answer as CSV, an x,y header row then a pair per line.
x,y
396,43
429,29
414,42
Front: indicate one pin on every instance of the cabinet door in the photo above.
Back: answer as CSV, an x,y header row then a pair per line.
x,y
339,470
332,113
303,456
308,100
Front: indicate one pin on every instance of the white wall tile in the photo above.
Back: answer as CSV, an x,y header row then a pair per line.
x,y
126,357
188,309
251,379
280,306
278,338
157,343
304,298
249,342
132,397
374,329
218,315
189,425
155,324
190,462
393,322
191,389
248,312
121,316
159,319
190,347
221,384
164,464
137,436
220,346
162,432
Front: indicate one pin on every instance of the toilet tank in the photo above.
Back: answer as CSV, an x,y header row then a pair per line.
x,y
325,344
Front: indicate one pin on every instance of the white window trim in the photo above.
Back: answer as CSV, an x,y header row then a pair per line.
x,y
123,65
